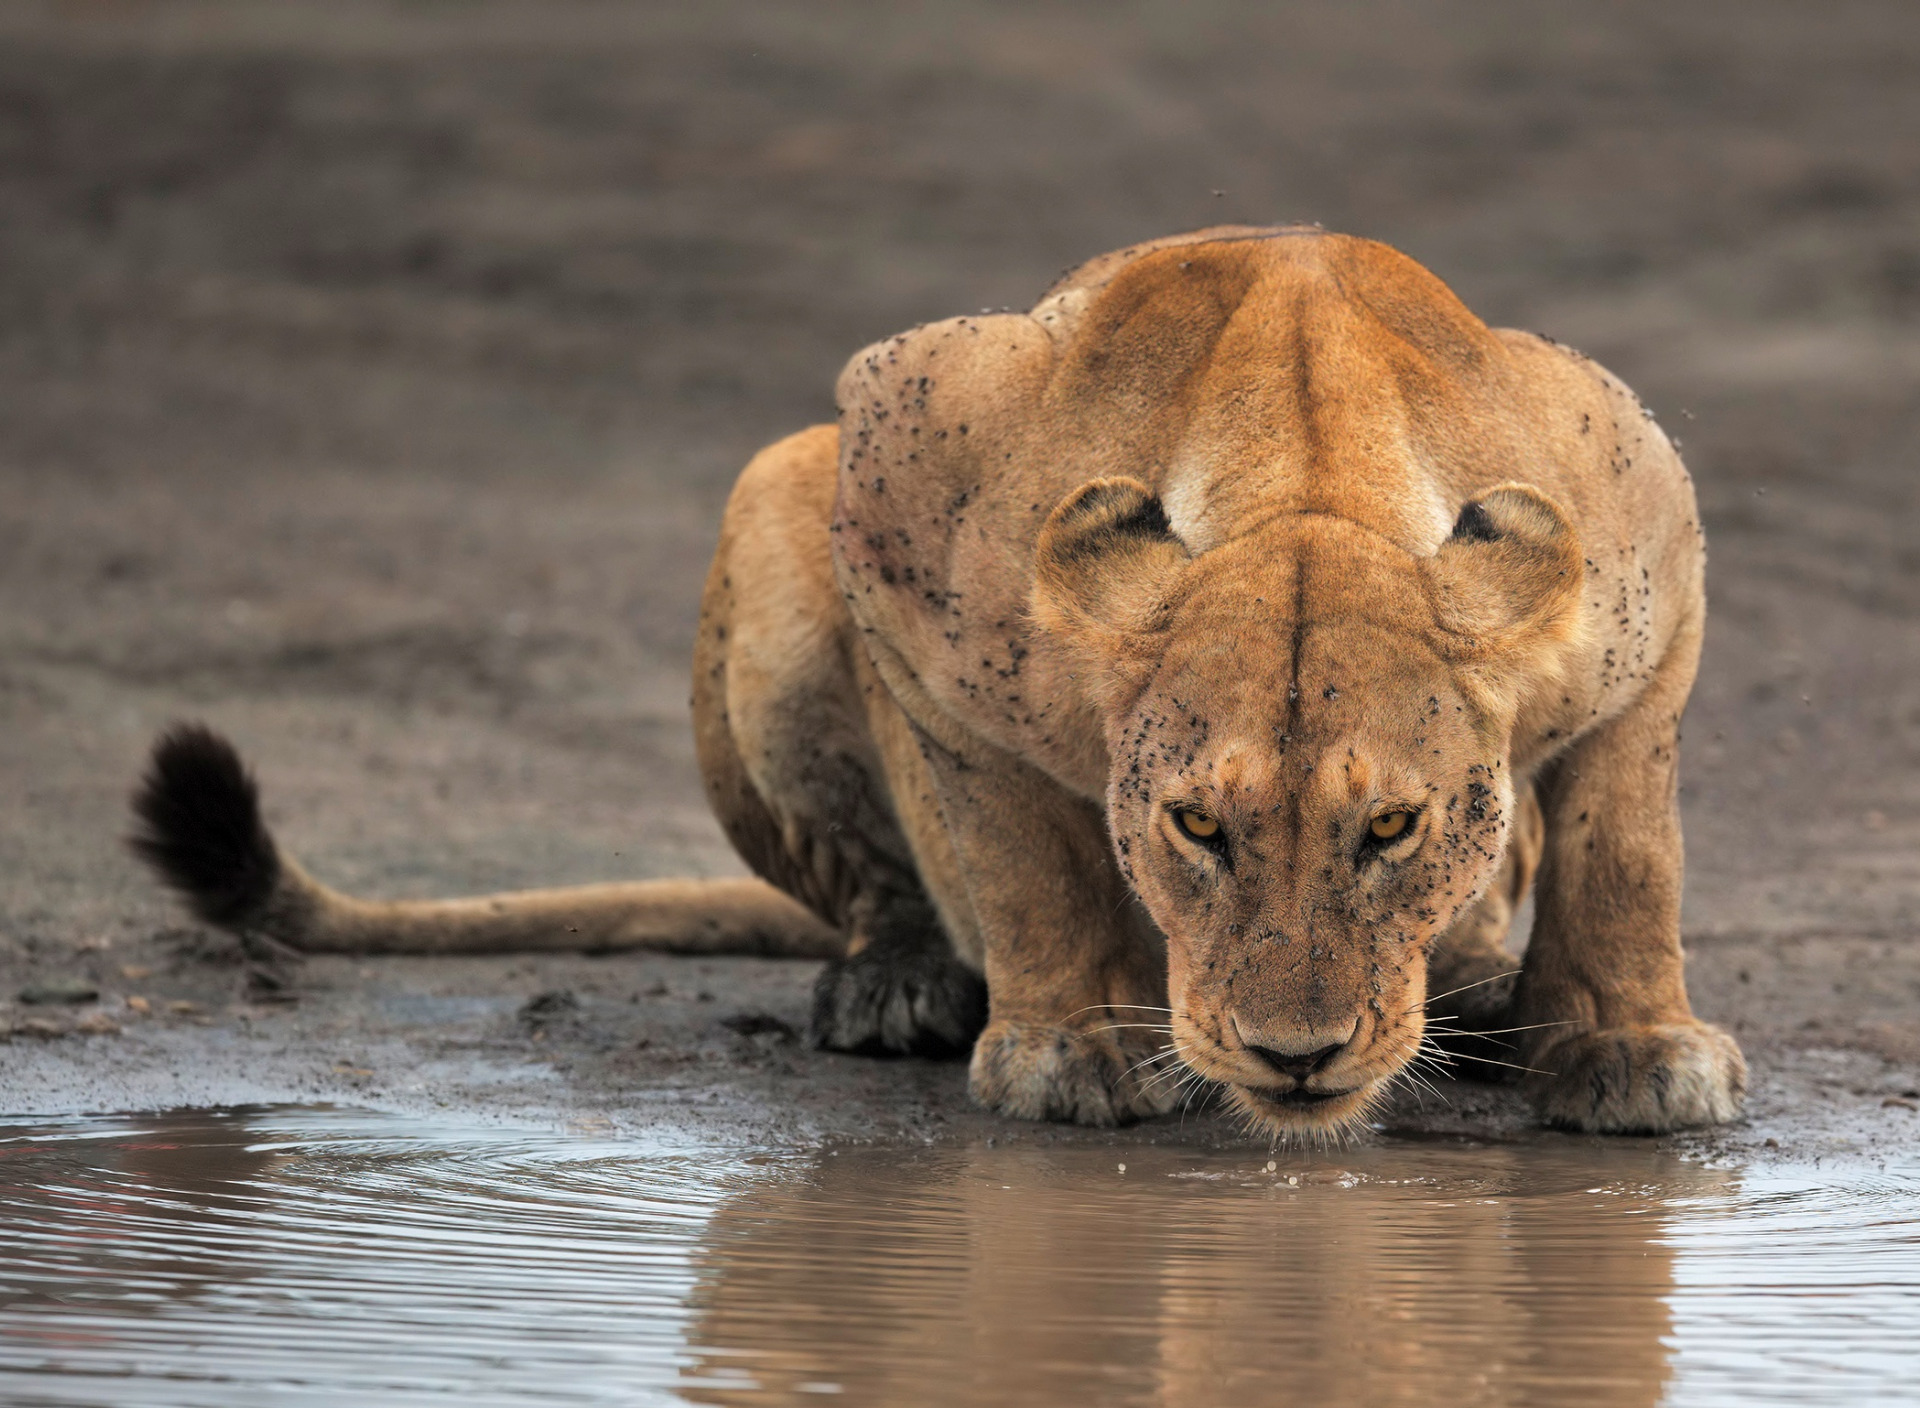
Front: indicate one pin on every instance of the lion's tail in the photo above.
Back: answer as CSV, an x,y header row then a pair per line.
x,y
201,830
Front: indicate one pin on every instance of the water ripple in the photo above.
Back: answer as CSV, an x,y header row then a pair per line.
x,y
327,1257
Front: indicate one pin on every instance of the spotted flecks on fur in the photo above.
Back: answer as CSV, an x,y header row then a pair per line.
x,y
200,826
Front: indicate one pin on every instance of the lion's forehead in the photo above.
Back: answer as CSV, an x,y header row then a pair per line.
x,y
1305,755
1297,682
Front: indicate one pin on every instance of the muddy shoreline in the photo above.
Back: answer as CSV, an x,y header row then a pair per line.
x,y
713,1050
372,380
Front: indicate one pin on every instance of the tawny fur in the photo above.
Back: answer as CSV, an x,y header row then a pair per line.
x,y
1267,520
1261,523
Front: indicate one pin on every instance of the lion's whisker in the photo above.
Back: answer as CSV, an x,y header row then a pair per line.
x,y
1432,1052
1117,1006
1497,1031
1435,997
1193,1083
1194,1088
1171,1071
1488,1060
1503,1031
1420,1082
1160,1077
1166,1053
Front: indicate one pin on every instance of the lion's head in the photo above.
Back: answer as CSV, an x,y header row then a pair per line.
x,y
1308,729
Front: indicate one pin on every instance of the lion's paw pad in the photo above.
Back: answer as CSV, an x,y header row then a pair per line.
x,y
1644,1080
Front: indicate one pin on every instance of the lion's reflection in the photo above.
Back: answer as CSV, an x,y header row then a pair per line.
x,y
1409,1274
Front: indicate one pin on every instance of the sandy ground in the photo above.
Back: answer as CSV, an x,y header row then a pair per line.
x,y
371,376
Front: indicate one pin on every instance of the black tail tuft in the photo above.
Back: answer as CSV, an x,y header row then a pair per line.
x,y
200,826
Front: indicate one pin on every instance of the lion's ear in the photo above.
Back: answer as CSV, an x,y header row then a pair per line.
x,y
1104,564
1506,587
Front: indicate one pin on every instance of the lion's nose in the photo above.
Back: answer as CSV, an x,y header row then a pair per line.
x,y
1300,1067
1300,1054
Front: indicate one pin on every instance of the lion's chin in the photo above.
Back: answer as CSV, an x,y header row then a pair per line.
x,y
1302,1114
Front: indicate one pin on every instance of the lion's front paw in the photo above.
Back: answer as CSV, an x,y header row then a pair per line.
x,y
1643,1080
1034,1071
889,1000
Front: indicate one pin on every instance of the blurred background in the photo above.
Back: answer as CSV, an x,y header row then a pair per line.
x,y
372,374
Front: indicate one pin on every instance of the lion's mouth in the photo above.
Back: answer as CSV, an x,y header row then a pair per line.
x,y
1296,1099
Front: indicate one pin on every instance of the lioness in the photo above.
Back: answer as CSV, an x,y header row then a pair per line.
x,y
1159,684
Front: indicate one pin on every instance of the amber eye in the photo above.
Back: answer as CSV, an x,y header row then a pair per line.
x,y
1389,825
1197,825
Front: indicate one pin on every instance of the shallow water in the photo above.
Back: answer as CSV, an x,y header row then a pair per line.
x,y
310,1256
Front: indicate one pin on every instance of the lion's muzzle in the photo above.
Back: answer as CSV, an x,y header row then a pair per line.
x,y
1305,1078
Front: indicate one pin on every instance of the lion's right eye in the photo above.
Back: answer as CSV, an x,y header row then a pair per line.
x,y
1197,825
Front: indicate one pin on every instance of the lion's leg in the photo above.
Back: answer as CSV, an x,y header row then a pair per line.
x,y
1471,974
1076,972
1622,1050
796,774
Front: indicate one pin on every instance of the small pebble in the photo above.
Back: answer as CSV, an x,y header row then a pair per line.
x,y
139,1004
